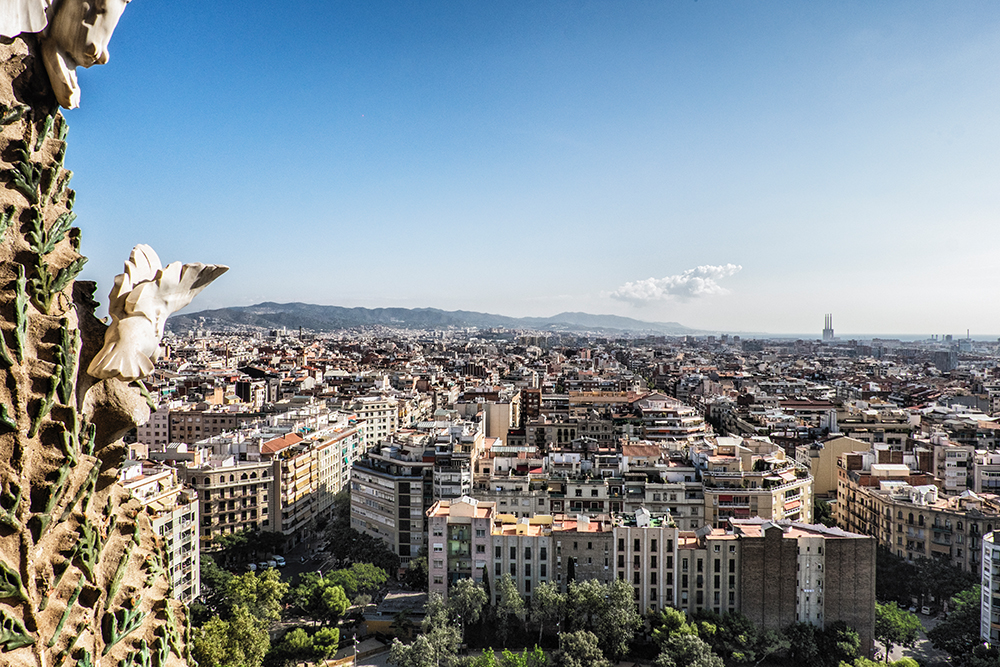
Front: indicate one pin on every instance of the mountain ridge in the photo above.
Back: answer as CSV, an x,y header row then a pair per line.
x,y
325,318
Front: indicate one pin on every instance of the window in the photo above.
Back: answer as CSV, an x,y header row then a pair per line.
x,y
636,545
652,544
635,578
480,548
593,493
701,565
527,553
496,569
527,569
621,561
732,566
684,564
579,493
543,554
652,579
497,552
574,546
621,544
438,564
480,532
543,570
718,565
652,561
513,569
513,553
590,545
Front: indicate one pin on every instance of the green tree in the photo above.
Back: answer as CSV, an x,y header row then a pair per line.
x,y
671,622
823,513
261,594
320,599
838,642
535,658
958,634
580,649
510,609
436,614
416,574
618,619
941,580
803,648
548,606
895,579
359,579
466,600
418,654
687,651
895,626
326,641
584,600
242,641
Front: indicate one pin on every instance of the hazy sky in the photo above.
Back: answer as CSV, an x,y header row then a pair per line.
x,y
736,165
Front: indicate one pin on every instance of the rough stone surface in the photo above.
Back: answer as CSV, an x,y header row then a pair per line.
x,y
81,576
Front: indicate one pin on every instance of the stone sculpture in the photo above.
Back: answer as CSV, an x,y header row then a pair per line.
x,y
142,298
76,34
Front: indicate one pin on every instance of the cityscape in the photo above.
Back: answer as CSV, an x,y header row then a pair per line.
x,y
583,333
715,474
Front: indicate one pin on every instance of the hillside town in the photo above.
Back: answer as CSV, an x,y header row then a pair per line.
x,y
709,474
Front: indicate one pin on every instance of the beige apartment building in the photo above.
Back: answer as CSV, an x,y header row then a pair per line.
x,y
233,495
906,513
820,459
308,472
752,478
173,512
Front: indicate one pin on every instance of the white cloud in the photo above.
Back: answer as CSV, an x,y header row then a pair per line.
x,y
693,283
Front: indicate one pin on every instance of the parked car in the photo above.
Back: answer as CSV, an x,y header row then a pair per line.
x,y
925,610
280,561
251,567
272,563
262,565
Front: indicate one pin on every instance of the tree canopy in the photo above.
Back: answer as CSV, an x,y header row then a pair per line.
x,y
895,626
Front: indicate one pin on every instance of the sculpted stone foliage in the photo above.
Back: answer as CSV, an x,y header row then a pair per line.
x,y
81,581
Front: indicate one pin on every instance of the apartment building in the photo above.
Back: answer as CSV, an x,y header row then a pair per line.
x,y
775,572
667,419
752,477
308,471
233,495
192,422
378,416
788,572
989,615
156,431
820,459
646,551
459,537
173,512
905,512
391,487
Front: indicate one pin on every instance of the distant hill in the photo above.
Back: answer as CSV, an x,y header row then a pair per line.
x,y
327,318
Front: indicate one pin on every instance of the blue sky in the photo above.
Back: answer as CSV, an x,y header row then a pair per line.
x,y
530,158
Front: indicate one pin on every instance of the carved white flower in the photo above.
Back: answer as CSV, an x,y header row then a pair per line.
x,y
140,302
